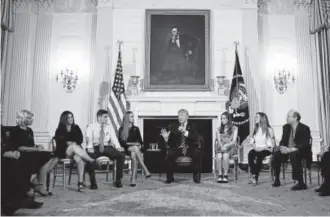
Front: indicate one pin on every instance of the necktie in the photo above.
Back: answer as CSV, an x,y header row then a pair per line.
x,y
101,139
183,144
291,138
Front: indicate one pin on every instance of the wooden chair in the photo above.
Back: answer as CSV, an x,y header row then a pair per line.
x,y
306,165
233,160
186,161
266,161
64,163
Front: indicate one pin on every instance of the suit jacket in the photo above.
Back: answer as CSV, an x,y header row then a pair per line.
x,y
301,138
175,136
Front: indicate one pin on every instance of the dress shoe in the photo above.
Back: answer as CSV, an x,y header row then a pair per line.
x,y
220,179
118,185
132,185
299,186
225,179
324,193
94,186
81,186
318,189
168,181
277,183
31,204
8,210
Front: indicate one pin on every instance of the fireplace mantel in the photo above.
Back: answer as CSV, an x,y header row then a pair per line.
x,y
168,104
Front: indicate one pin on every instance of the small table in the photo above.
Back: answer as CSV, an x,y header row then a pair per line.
x,y
154,158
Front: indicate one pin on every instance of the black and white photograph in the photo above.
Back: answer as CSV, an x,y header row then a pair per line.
x,y
165,108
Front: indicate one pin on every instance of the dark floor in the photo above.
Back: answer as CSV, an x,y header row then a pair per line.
x,y
153,197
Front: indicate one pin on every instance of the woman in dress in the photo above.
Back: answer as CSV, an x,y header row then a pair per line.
x,y
34,159
68,138
130,139
262,141
226,138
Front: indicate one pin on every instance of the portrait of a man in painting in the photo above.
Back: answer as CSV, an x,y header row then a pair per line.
x,y
177,50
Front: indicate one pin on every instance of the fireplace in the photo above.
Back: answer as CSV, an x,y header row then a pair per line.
x,y
151,134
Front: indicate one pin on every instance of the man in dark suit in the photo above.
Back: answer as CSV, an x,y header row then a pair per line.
x,y
295,142
182,139
324,190
181,54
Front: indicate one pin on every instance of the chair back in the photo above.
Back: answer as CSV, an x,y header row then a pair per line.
x,y
53,144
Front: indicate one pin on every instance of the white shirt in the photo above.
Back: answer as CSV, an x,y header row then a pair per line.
x,y
185,128
260,140
93,135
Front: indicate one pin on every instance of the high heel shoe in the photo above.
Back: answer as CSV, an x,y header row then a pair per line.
x,y
148,176
132,185
41,190
81,186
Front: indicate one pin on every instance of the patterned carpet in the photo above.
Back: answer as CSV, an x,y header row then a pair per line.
x,y
183,198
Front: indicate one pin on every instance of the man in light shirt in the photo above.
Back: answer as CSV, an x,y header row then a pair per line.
x,y
102,141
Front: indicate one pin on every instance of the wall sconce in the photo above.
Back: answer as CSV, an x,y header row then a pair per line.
x,y
283,77
220,82
68,78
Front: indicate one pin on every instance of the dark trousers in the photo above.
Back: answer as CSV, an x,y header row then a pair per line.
x,y
255,159
325,167
111,153
174,153
15,182
295,159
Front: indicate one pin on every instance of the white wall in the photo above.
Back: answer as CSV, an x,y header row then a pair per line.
x,y
70,48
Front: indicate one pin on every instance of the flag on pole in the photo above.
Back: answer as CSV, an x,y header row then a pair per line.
x,y
118,105
238,101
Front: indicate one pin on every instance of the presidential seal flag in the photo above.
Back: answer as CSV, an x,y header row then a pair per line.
x,y
238,102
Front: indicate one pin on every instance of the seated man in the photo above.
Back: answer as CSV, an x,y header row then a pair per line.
x,y
324,190
102,141
182,139
295,142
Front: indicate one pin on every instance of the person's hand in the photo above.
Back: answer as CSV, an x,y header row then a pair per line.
x,y
189,52
284,150
257,149
120,149
16,154
165,134
40,148
69,143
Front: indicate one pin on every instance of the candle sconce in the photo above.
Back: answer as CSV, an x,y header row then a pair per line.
x,y
283,77
68,78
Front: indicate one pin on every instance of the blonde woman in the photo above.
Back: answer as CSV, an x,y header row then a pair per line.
x,y
130,139
35,160
262,141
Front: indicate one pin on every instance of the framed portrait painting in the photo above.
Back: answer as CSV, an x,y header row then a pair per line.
x,y
177,55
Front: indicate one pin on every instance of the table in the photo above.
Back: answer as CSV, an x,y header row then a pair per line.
x,y
154,160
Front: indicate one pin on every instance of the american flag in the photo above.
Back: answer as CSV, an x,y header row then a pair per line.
x,y
118,105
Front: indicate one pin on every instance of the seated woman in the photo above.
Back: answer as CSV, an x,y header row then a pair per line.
x,y
226,138
262,141
34,159
68,138
14,184
130,139
324,189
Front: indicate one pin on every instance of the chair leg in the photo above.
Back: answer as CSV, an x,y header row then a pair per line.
x,y
107,172
283,172
70,173
64,175
48,181
55,174
236,170
114,171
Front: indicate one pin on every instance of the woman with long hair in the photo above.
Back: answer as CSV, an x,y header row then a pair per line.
x,y
130,139
226,138
262,141
68,138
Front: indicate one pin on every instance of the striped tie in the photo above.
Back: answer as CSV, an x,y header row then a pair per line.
x,y
183,144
